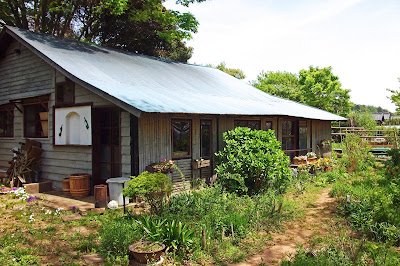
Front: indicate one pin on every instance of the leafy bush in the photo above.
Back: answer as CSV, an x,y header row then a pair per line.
x,y
344,251
152,187
175,235
214,209
116,236
395,157
373,208
356,155
254,160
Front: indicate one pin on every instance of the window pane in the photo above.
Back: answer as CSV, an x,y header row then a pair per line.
x,y
105,170
115,135
240,123
105,153
205,139
284,127
268,125
116,151
290,128
303,137
105,119
254,125
181,138
116,171
65,92
35,125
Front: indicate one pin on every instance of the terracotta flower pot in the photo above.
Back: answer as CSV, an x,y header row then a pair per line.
x,y
312,160
146,256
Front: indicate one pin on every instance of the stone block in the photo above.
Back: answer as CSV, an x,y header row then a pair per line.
x,y
40,187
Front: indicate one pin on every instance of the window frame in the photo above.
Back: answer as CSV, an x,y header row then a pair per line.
x,y
295,136
247,121
7,110
190,138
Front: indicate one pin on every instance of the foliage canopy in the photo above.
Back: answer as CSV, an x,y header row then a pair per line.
x,y
316,87
142,26
281,84
395,98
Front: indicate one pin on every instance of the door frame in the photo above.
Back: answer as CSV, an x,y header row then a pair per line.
x,y
96,142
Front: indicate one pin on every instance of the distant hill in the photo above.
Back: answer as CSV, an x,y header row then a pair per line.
x,y
368,108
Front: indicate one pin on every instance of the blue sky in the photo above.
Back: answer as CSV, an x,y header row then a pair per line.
x,y
360,39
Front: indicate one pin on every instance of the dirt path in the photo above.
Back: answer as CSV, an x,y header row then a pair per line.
x,y
316,222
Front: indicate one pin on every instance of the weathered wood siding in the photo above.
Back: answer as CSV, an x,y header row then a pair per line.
x,y
155,142
23,75
320,130
26,75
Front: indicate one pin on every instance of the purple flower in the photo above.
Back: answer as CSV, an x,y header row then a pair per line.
x,y
36,197
29,200
3,188
14,189
73,207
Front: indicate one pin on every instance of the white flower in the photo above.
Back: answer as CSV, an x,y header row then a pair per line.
x,y
48,212
58,210
113,205
31,218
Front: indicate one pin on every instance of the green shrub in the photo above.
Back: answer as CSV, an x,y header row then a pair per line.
x,y
175,235
395,157
254,160
152,187
116,236
356,154
373,208
214,209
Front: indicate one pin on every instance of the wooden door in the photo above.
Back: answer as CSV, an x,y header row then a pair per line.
x,y
106,144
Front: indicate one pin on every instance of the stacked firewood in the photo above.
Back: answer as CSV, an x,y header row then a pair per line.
x,y
25,163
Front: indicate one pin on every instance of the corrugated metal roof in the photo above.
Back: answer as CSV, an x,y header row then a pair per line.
x,y
142,83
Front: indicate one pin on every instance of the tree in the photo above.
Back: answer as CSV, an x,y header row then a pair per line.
x,y
143,26
234,72
368,108
321,89
362,119
315,87
282,84
395,98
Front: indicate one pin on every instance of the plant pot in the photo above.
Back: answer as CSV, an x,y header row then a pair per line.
x,y
146,256
312,160
100,196
298,161
79,185
200,164
65,187
151,169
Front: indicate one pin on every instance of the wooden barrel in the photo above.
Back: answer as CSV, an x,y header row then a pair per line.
x,y
65,186
100,196
79,185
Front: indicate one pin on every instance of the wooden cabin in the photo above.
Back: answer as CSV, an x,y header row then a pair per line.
x,y
111,113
